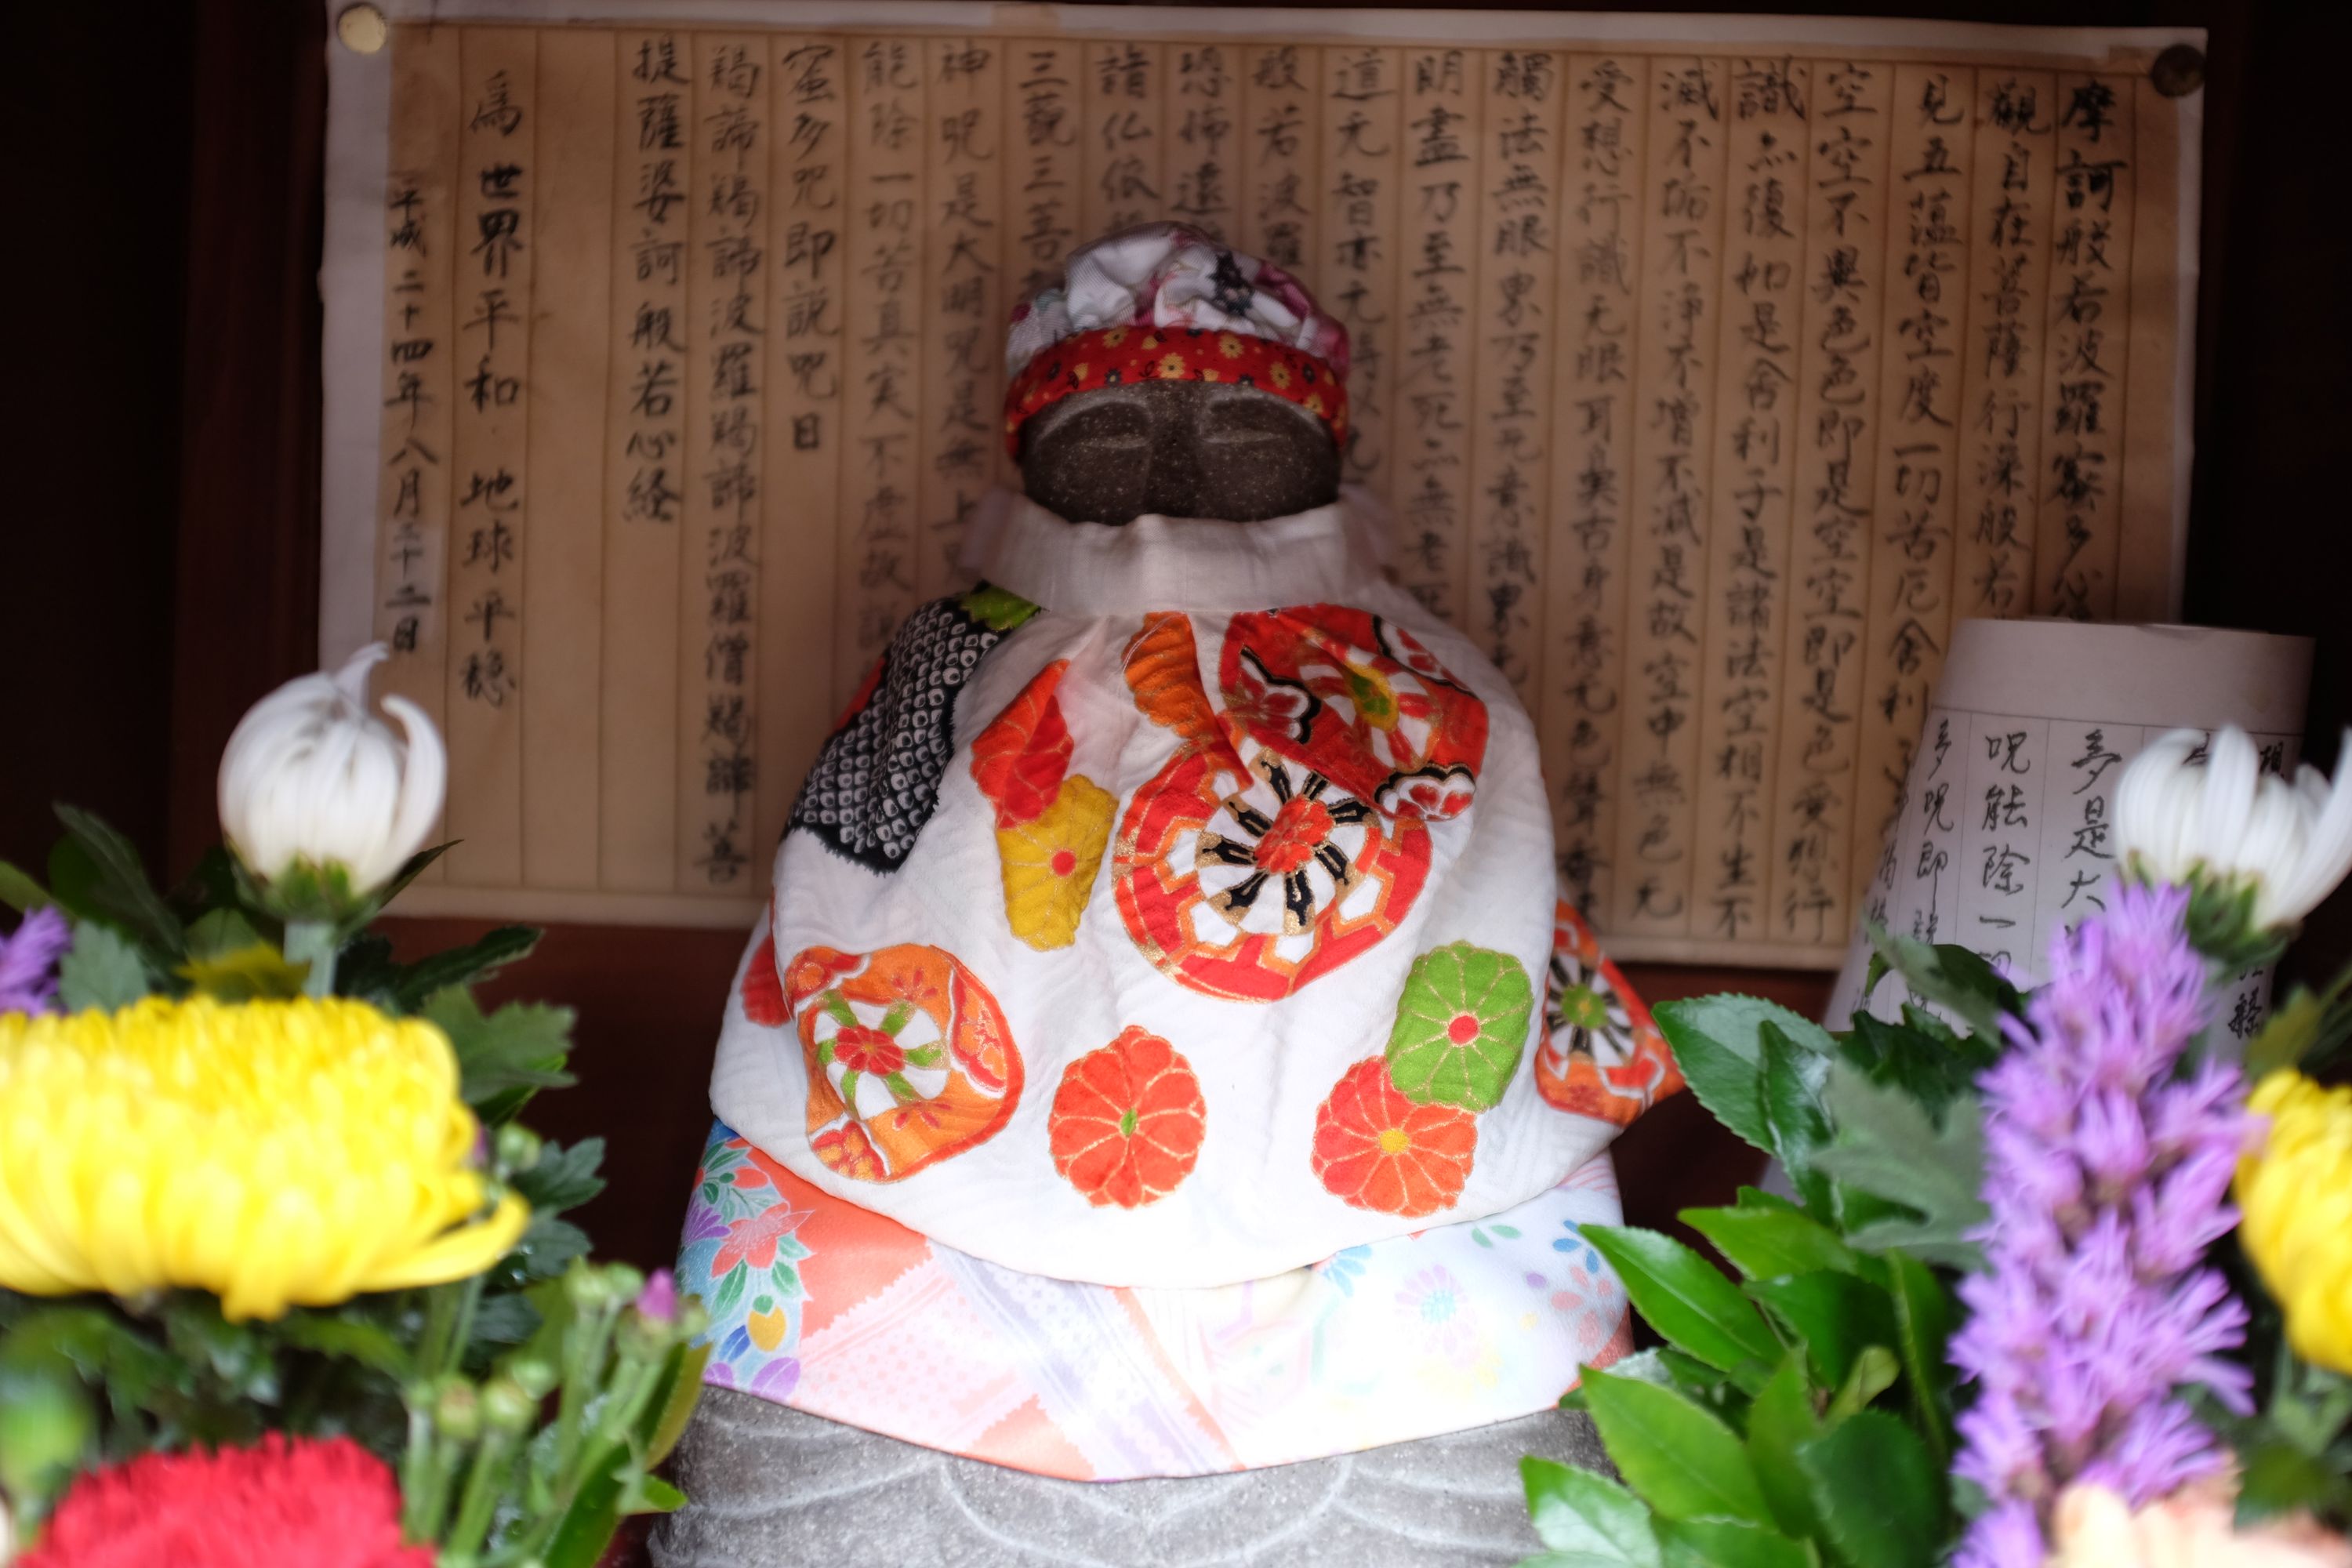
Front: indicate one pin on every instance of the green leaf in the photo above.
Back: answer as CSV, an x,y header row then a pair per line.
x,y
1923,1323
563,1178
116,887
49,1431
2281,1478
507,1318
1587,1521
1688,1302
546,1247
654,1495
586,1526
412,868
348,1339
1887,1146
1779,1422
506,1055
1921,1056
257,973
1792,1107
101,970
1716,1046
1694,1544
673,1404
1880,1497
20,892
1766,1243
1952,977
1875,1371
1834,1315
467,965
1677,1457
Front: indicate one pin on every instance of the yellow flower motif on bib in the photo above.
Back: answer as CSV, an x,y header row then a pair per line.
x,y
1050,863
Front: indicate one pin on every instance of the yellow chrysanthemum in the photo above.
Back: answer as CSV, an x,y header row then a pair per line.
x,y
1050,863
276,1153
2296,1195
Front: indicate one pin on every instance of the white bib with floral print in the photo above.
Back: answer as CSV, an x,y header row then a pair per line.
x,y
1176,910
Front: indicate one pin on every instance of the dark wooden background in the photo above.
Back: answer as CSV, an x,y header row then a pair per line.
x,y
159,524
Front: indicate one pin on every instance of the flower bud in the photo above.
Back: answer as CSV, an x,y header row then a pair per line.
x,y
508,1407
312,780
457,1410
518,1148
536,1378
657,1302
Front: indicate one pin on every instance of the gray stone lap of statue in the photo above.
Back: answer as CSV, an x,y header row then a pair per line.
x,y
1178,448
772,1487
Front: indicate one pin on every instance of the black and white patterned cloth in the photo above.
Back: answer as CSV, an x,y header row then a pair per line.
x,y
877,780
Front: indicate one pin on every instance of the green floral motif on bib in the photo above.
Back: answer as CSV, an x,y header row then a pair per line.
x,y
1460,1027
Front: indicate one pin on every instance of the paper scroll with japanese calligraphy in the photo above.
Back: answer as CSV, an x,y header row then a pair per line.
x,y
1712,383
2003,838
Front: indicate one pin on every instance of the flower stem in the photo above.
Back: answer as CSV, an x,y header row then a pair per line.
x,y
313,940
484,1486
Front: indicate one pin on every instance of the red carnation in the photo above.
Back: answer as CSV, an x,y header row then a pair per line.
x,y
280,1503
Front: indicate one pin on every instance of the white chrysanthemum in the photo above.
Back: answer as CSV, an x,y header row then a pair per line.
x,y
310,774
2292,842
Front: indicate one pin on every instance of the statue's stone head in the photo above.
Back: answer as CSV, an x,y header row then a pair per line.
x,y
1165,373
1179,448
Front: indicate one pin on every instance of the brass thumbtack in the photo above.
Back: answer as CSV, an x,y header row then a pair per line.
x,y
363,28
2179,71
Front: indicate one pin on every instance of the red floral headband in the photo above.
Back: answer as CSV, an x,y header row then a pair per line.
x,y
1116,356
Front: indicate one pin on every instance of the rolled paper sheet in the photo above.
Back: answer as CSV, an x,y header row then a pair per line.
x,y
2003,835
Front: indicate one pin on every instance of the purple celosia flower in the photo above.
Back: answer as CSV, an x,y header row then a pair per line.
x,y
2107,1169
28,962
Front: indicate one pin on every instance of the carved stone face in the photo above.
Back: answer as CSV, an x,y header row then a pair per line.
x,y
1179,448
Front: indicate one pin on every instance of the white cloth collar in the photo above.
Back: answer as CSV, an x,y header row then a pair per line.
x,y
1325,555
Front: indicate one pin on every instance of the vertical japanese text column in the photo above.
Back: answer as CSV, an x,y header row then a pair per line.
x,y
727,307
646,461
1436,293
497,192
1918,495
964,305
1124,168
1279,159
1356,282
1512,415
1581,716
2090,293
1204,97
420,384
883,429
1844,285
1673,425
2001,400
800,690
1755,441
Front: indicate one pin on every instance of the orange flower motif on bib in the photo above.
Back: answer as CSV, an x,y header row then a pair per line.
x,y
1601,1056
1250,887
1374,1149
909,1059
1127,1123
1241,873
1358,700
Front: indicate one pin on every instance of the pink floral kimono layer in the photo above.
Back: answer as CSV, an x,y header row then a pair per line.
x,y
1173,912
